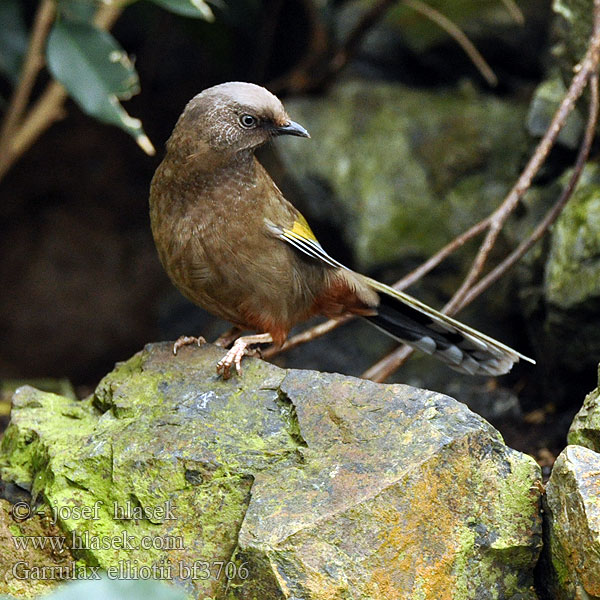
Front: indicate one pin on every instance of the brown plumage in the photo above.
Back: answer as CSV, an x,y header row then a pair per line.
x,y
232,244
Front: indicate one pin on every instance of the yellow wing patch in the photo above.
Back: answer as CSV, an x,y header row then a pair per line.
x,y
302,229
301,237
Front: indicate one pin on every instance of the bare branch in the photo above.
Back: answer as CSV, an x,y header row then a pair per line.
x,y
33,62
584,71
381,370
49,106
553,214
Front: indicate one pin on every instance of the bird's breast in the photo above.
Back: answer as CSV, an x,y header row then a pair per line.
x,y
214,245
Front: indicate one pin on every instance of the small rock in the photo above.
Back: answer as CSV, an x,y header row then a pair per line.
x,y
585,429
570,565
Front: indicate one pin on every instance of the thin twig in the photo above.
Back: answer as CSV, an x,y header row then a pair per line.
x,y
33,62
354,39
442,254
48,108
299,78
461,39
381,370
306,336
311,75
389,364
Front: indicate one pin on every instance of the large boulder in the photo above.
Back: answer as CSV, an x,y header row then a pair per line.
x,y
278,484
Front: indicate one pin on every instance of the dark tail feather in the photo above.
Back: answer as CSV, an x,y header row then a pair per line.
x,y
461,347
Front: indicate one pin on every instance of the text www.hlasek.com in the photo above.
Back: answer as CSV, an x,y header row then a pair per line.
x,y
87,541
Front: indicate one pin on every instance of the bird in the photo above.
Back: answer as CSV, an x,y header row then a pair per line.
x,y
232,244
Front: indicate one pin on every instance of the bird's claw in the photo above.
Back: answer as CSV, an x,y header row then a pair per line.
x,y
233,357
241,347
186,340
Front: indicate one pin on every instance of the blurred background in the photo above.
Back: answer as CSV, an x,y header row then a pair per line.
x,y
412,142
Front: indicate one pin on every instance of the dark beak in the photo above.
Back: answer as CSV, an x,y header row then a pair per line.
x,y
292,128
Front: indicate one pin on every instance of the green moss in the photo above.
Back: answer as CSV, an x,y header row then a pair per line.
x,y
465,540
25,457
519,496
585,428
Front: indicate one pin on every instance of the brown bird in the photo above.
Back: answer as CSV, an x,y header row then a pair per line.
x,y
234,245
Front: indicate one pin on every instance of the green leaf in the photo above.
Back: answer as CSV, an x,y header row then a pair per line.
x,y
198,9
13,38
97,73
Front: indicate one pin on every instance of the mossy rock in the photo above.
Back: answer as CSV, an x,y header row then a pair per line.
x,y
573,28
585,428
571,290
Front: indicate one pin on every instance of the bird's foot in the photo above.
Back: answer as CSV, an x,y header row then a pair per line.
x,y
241,348
226,339
186,340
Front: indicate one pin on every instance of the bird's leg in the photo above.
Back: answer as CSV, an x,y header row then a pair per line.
x,y
186,340
239,349
227,338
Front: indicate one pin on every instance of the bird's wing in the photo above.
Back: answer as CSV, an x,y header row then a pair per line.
x,y
301,237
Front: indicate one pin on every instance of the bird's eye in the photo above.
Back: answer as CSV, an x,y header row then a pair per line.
x,y
248,121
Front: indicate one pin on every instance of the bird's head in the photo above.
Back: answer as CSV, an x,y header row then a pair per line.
x,y
233,117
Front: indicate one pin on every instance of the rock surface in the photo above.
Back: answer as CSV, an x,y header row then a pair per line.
x,y
15,529
570,563
546,101
299,484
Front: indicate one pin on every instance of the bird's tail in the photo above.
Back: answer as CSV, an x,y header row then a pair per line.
x,y
461,347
